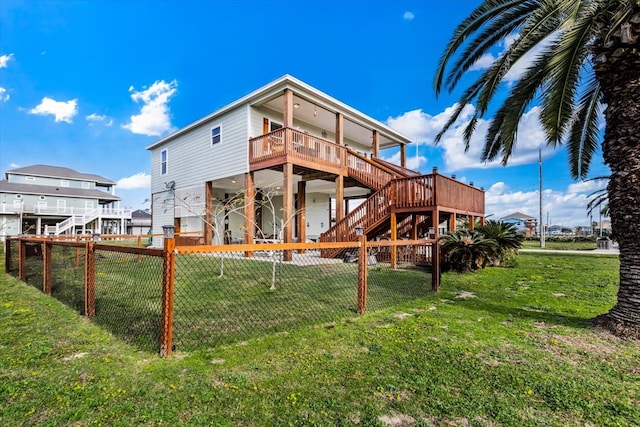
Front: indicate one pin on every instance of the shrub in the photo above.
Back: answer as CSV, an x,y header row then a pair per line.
x,y
467,250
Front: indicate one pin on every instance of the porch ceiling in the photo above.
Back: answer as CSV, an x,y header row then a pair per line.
x,y
323,117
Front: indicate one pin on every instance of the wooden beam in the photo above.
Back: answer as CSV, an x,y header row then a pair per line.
x,y
394,237
375,144
339,198
403,155
287,208
339,129
302,213
452,222
287,108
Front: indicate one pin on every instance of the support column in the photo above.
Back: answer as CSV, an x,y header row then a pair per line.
x,y
375,144
287,208
339,129
339,198
394,238
287,116
302,213
452,222
249,211
472,222
403,155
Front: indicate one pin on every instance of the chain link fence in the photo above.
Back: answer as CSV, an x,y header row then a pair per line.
x,y
195,297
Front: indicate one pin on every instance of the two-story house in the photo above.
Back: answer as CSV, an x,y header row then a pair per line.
x,y
295,158
42,199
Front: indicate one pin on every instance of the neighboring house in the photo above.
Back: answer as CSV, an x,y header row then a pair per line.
x,y
292,146
526,224
140,222
43,199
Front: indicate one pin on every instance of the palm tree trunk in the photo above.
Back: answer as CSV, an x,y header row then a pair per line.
x,y
619,76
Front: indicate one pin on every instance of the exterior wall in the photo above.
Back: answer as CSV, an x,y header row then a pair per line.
x,y
192,160
52,182
9,226
317,214
9,202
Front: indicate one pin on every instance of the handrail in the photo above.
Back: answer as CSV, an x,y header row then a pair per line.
x,y
367,172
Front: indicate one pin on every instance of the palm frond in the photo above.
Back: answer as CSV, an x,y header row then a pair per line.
x,y
584,132
563,71
482,14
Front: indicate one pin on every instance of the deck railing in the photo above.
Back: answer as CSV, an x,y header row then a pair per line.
x,y
368,172
286,143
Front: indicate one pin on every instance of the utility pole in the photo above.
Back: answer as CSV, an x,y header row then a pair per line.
x,y
541,217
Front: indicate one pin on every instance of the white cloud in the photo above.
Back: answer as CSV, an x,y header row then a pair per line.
x,y
153,119
568,208
98,118
4,96
424,128
4,60
413,162
587,186
63,111
139,180
408,16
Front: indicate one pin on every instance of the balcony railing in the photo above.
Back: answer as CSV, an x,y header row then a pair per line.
x,y
290,145
71,211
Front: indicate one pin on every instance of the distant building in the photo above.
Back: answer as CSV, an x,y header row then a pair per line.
x,y
42,199
526,224
140,222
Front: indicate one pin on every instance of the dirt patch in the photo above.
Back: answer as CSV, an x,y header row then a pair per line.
x,y
398,420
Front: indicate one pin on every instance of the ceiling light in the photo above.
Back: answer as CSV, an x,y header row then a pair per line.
x,y
296,105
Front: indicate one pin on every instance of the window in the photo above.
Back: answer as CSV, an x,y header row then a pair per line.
x,y
163,162
275,126
64,183
215,135
30,178
86,185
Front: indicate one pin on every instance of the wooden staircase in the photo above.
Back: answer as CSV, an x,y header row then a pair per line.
x,y
403,196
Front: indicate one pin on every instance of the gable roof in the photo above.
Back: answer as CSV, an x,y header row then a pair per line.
x,y
320,99
519,215
58,172
48,190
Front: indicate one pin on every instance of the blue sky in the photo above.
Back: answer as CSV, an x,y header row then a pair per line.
x,y
89,84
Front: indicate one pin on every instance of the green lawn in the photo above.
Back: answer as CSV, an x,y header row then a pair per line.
x,y
504,346
576,246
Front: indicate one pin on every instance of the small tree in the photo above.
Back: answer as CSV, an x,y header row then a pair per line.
x,y
468,250
507,238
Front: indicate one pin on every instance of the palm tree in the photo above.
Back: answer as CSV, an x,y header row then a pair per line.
x,y
468,250
586,56
506,236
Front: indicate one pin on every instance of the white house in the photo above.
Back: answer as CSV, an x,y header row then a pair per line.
x,y
277,162
42,199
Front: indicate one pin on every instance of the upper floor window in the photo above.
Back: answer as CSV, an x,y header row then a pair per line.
x,y
163,162
64,183
86,184
215,135
30,178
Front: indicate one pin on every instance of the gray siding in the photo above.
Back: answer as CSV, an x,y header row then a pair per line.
x,y
52,182
192,160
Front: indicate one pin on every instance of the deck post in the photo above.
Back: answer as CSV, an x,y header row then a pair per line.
x,y
168,284
362,273
287,208
339,198
452,222
287,117
394,238
47,249
403,155
375,144
302,213
472,222
435,266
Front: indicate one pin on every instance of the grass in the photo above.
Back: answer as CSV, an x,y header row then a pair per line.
x,y
576,246
503,346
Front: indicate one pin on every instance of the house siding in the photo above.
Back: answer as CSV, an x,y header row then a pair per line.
x,y
192,159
